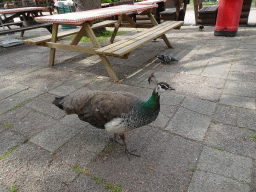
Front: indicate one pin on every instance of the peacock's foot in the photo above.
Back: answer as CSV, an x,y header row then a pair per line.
x,y
115,140
128,153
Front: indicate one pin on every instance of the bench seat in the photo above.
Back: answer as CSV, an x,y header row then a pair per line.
x,y
46,38
22,29
18,23
123,47
208,15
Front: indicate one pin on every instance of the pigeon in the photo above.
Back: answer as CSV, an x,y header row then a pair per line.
x,y
201,27
166,58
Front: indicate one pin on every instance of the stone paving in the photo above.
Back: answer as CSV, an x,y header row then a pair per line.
x,y
203,139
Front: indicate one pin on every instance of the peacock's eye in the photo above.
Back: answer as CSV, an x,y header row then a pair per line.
x,y
164,86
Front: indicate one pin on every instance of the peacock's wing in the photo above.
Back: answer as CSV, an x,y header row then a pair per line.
x,y
98,108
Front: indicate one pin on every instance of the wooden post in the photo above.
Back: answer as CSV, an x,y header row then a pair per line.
x,y
120,18
54,39
79,36
97,45
151,17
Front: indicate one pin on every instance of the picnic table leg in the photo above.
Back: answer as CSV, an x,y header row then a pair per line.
x,y
120,18
79,36
54,39
103,58
151,17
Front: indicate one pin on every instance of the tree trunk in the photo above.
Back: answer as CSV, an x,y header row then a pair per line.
x,y
83,5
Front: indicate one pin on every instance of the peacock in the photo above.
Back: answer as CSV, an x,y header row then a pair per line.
x,y
116,112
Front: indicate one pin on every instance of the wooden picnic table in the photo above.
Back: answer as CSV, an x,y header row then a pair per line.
x,y
159,9
25,12
120,49
26,15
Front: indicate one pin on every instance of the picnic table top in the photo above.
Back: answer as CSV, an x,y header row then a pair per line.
x,y
16,10
77,18
148,2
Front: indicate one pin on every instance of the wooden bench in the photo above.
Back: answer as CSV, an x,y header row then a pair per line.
x,y
175,10
18,23
123,48
207,15
46,38
23,29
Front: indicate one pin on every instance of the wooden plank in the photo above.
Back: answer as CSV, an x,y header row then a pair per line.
x,y
120,44
153,20
109,51
3,32
127,18
120,18
54,39
42,39
103,58
143,41
79,36
73,48
128,25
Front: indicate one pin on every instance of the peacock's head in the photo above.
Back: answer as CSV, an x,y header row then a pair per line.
x,y
161,86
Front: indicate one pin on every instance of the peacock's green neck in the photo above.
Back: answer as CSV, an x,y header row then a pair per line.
x,y
153,102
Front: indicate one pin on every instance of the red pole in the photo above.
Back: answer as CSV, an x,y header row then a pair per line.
x,y
228,17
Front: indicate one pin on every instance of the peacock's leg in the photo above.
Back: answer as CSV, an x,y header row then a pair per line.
x,y
116,141
126,150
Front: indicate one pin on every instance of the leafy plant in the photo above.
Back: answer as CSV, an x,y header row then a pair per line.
x,y
218,148
114,187
100,180
12,188
79,169
253,136
7,125
193,169
8,153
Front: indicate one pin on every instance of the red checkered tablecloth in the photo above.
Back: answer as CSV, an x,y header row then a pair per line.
x,y
78,18
16,10
148,2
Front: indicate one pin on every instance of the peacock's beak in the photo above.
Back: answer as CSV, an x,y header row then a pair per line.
x,y
171,88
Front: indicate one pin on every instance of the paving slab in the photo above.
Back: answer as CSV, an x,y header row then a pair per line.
x,y
226,114
220,70
32,169
161,121
32,124
86,183
163,166
238,101
45,79
226,164
4,71
243,68
242,76
43,104
84,147
205,181
214,82
246,118
240,88
17,99
200,106
233,139
195,67
199,91
8,140
55,136
189,124
63,90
